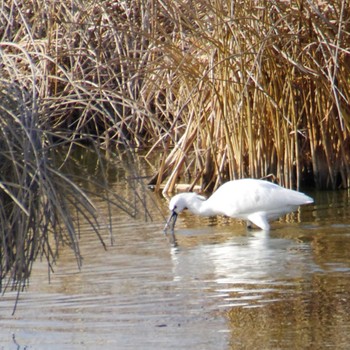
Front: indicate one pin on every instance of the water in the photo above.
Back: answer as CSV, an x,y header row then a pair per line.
x,y
217,286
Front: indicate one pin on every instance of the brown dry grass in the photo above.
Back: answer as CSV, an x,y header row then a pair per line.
x,y
227,89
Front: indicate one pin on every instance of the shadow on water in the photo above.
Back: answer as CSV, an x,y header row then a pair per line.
x,y
219,287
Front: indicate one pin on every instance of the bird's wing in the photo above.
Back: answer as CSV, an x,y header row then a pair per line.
x,y
244,197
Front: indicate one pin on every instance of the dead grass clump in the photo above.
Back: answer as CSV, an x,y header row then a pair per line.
x,y
38,204
41,205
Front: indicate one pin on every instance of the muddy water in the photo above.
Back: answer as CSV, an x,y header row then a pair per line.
x,y
217,286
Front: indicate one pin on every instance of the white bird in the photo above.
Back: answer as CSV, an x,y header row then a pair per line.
x,y
256,201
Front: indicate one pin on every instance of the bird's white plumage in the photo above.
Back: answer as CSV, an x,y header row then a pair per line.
x,y
256,201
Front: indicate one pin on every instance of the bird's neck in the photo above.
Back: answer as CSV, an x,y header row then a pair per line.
x,y
200,207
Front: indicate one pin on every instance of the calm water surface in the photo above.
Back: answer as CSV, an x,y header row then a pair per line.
x,y
217,286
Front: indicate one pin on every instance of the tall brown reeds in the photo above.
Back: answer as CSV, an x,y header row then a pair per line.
x,y
89,59
226,89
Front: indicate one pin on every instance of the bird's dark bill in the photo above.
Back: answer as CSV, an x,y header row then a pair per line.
x,y
171,222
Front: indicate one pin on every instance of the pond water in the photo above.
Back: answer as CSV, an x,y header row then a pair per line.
x,y
216,286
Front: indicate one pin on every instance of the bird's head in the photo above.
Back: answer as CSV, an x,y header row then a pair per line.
x,y
179,203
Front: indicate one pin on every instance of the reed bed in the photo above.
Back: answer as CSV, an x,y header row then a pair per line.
x,y
222,89
263,90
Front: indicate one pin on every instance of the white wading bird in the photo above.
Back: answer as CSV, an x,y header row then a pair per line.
x,y
256,201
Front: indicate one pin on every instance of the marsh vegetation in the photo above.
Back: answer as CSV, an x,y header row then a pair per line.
x,y
221,89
